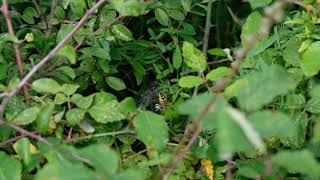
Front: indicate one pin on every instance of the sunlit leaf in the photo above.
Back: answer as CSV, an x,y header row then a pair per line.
x,y
148,120
46,85
10,168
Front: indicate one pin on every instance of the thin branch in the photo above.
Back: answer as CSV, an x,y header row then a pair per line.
x,y
27,133
207,29
54,4
36,5
102,27
14,139
183,153
61,59
101,135
194,125
6,13
229,171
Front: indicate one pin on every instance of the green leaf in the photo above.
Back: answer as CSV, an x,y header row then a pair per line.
x,y
230,137
175,14
13,83
78,8
3,72
103,97
315,91
106,112
28,14
46,85
190,81
250,168
132,174
29,37
298,162
22,148
186,4
69,89
310,63
97,52
263,44
59,12
44,118
162,16
193,57
270,124
235,88
217,52
156,138
313,105
115,83
177,58
69,52
74,116
107,15
10,168
98,155
68,71
251,26
128,7
82,102
263,86
64,30
60,99
218,73
27,116
121,32
259,3
195,105
291,54
128,106
64,171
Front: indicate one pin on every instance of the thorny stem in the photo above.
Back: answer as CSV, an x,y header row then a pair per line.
x,y
6,13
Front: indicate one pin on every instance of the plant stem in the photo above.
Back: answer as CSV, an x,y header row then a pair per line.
x,y
207,29
102,135
6,13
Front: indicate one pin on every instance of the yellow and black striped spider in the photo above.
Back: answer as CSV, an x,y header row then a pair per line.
x,y
162,102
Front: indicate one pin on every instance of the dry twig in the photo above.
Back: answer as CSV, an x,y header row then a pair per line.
x,y
6,13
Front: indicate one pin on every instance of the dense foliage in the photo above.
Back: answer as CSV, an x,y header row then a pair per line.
x,y
159,89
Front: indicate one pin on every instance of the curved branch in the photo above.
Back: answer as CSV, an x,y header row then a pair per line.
x,y
6,13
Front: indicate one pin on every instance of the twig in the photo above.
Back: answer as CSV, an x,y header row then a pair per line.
x,y
194,125
102,135
6,13
53,8
39,12
12,140
102,27
207,29
183,152
27,133
39,138
229,172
